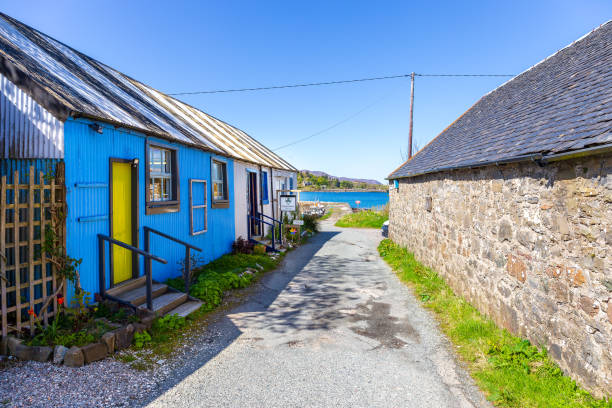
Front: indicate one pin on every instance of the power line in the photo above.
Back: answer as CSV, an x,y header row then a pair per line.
x,y
346,81
359,112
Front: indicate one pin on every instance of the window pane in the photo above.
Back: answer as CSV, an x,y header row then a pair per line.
x,y
218,178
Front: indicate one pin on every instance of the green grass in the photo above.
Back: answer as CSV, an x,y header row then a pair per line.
x,y
363,219
510,371
327,214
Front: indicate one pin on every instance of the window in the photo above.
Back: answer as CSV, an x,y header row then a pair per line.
x,y
162,179
290,183
219,184
264,188
198,221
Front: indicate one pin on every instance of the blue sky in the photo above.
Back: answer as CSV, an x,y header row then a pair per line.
x,y
194,45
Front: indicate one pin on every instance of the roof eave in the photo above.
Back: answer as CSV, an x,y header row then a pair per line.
x,y
536,157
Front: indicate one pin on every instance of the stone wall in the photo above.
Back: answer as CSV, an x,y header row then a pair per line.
x,y
529,246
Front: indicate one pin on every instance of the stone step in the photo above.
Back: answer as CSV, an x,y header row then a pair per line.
x,y
167,302
138,296
126,286
186,308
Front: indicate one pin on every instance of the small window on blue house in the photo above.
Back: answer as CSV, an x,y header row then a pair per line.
x,y
198,214
264,188
290,183
162,182
220,197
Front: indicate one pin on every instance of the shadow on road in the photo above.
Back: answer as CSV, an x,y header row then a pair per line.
x,y
322,294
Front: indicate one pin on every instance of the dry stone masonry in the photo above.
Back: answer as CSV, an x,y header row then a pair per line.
x,y
529,245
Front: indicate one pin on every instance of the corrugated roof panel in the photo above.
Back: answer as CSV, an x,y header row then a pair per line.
x,y
87,87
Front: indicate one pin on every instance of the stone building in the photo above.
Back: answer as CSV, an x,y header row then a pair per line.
x,y
512,204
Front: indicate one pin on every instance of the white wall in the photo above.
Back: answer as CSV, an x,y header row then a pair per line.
x,y
279,179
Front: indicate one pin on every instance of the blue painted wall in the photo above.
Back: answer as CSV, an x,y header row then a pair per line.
x,y
86,159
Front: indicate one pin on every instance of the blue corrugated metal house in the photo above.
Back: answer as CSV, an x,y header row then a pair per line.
x,y
133,156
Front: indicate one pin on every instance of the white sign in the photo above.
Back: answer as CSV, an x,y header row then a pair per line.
x,y
298,222
288,203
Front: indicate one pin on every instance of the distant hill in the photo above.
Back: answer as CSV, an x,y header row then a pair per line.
x,y
352,180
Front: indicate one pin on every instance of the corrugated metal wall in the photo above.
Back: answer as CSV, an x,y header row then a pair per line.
x,y
87,181
27,130
9,166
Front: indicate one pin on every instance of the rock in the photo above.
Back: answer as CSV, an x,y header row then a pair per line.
x,y
24,352
59,352
94,352
74,357
610,311
258,266
148,321
516,268
561,225
109,340
123,337
504,232
588,305
12,344
41,353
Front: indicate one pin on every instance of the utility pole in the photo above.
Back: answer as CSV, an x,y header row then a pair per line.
x,y
411,108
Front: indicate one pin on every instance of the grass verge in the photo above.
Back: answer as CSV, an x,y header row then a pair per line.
x,y
327,214
510,371
363,219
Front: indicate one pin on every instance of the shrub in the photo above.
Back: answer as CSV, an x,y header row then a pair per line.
x,y
311,222
141,339
242,246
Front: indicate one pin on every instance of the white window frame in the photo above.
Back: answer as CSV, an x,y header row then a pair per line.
x,y
198,206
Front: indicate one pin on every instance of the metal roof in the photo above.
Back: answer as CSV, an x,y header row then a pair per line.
x,y
563,103
69,83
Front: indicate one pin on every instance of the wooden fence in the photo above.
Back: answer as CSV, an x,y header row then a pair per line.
x,y
27,276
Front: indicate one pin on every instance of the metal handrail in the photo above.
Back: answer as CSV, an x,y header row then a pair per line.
x,y
280,225
188,248
102,265
249,217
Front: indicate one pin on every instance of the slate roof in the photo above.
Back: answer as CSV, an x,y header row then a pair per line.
x,y
69,83
563,103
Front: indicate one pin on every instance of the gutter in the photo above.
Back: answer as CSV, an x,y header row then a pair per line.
x,y
538,158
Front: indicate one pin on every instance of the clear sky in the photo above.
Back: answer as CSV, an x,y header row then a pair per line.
x,y
180,46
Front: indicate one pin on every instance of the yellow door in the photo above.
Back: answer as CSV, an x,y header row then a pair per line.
x,y
122,220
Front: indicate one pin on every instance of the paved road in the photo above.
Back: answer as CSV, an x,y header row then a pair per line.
x,y
333,327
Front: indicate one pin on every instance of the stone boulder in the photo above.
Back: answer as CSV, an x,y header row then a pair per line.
x,y
59,352
109,340
94,352
41,353
123,337
74,357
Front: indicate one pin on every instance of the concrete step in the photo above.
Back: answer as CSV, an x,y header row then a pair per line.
x,y
138,296
167,302
126,286
186,308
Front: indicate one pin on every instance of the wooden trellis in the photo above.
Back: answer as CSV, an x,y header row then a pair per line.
x,y
27,277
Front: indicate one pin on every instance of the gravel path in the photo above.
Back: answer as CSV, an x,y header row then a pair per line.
x,y
332,327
